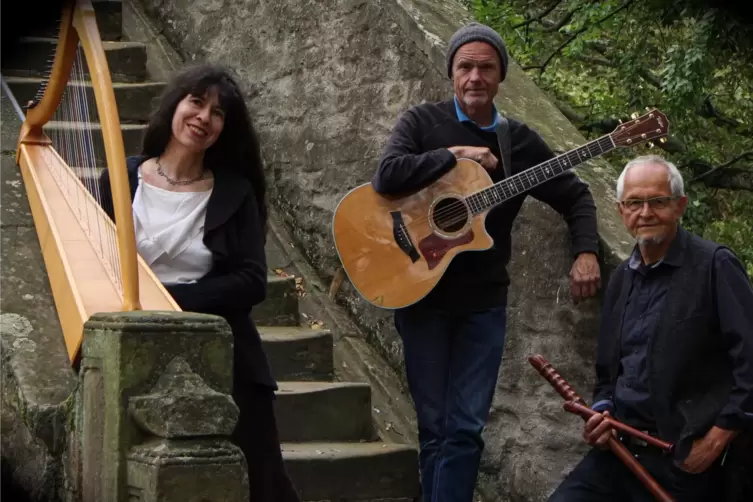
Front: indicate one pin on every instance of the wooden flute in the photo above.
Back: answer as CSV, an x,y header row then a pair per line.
x,y
578,405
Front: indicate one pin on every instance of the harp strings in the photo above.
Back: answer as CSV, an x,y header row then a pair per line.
x,y
76,135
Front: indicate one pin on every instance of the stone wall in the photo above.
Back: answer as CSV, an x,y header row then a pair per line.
x,y
37,381
326,81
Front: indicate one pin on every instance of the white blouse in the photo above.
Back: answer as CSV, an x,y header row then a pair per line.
x,y
169,229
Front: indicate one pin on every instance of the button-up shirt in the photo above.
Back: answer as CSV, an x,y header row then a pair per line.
x,y
643,310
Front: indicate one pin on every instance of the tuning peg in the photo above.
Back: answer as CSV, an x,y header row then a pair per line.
x,y
648,108
650,144
619,120
634,115
662,140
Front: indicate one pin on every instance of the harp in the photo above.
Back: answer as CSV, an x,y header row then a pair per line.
x,y
70,133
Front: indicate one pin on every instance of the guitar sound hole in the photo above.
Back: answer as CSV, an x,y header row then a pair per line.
x,y
449,215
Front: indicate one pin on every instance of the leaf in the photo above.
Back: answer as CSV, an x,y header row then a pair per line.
x,y
316,324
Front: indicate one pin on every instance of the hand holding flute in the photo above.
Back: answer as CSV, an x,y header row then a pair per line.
x,y
599,430
595,431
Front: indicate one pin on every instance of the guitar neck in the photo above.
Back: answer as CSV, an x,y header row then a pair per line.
x,y
536,175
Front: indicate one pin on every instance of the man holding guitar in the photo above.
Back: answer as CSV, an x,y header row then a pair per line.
x,y
454,336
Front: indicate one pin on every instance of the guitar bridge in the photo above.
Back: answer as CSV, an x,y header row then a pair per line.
x,y
402,238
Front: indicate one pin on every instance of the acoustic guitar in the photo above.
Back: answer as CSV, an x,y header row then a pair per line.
x,y
396,249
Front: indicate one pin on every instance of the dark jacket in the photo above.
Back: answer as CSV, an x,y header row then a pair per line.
x,y
238,278
700,365
417,154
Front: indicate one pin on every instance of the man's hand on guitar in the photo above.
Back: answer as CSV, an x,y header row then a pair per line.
x,y
585,277
597,431
480,154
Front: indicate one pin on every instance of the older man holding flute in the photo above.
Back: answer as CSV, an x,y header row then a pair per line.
x,y
675,359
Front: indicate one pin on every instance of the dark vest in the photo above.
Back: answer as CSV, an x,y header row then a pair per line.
x,y
689,377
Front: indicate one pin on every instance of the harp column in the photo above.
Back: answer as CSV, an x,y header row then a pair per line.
x,y
154,411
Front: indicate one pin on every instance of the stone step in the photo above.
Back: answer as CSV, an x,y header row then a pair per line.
x,y
297,353
33,58
324,411
280,308
132,137
109,15
352,471
134,100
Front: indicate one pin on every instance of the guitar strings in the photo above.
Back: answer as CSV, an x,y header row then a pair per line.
x,y
459,212
456,212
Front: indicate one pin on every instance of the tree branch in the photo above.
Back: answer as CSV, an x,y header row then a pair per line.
x,y
713,170
555,26
538,17
564,44
650,77
602,49
606,125
709,111
672,145
732,179
596,61
575,35
569,113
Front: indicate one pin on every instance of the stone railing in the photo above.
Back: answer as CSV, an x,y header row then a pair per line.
x,y
149,420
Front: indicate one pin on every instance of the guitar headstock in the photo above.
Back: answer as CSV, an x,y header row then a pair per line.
x,y
652,125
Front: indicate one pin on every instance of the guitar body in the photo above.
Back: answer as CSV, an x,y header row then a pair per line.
x,y
396,249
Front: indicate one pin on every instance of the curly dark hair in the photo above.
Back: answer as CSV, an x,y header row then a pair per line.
x,y
237,146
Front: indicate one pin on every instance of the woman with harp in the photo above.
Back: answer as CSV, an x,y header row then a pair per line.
x,y
199,217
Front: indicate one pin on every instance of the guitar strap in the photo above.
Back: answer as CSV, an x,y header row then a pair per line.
x,y
503,140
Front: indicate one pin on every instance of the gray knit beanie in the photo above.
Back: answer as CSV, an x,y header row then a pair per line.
x,y
475,32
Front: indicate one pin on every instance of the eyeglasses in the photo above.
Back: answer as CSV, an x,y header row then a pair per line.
x,y
653,203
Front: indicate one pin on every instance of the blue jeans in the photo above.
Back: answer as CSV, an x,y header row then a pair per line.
x,y
452,363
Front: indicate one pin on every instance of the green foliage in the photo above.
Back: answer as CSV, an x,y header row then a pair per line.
x,y
607,59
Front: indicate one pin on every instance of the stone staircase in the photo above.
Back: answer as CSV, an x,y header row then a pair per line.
x,y
330,444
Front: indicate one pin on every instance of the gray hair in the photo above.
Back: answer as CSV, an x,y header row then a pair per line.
x,y
676,184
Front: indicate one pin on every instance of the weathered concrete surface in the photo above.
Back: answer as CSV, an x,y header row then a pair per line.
x,y
126,60
182,405
326,82
37,380
333,411
108,14
190,471
350,471
167,366
296,353
134,100
280,307
311,101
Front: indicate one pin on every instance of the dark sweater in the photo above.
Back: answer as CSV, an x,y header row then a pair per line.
x,y
417,154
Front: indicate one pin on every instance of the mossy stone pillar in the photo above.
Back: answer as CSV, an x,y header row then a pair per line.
x,y
155,410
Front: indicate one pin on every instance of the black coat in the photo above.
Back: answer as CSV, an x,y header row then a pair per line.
x,y
238,278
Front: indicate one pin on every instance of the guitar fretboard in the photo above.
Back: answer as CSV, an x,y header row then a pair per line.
x,y
526,180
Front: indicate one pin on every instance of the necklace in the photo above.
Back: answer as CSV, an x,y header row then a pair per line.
x,y
176,182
